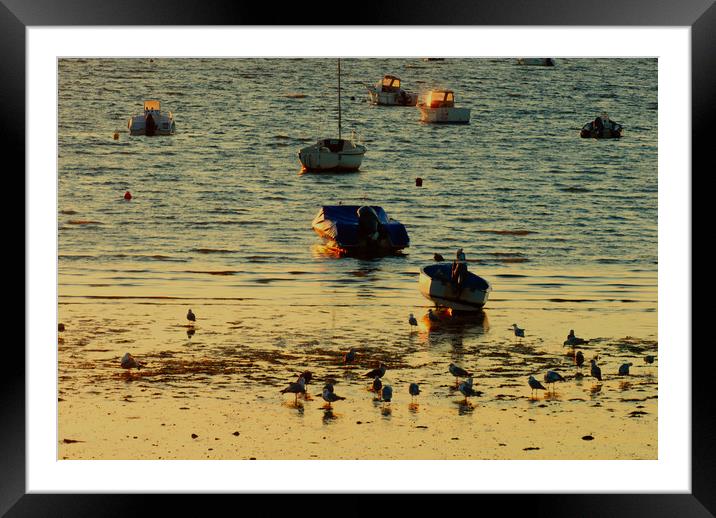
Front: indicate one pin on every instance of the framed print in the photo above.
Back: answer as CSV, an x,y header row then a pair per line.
x,y
424,251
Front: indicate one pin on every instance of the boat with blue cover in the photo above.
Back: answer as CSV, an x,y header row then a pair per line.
x,y
436,284
356,229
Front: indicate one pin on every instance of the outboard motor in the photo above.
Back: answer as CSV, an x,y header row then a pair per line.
x,y
369,226
150,127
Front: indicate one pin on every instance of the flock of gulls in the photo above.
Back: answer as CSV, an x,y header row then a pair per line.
x,y
385,392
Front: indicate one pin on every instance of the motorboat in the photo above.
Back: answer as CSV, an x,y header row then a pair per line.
x,y
360,230
602,127
539,62
332,155
439,107
152,121
387,92
436,284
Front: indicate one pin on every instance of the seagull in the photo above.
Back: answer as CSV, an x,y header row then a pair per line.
x,y
438,257
467,390
535,384
296,388
579,359
350,356
412,321
458,372
129,362
190,316
518,332
414,389
307,377
379,372
329,395
624,369
387,394
573,340
648,359
596,371
551,377
432,316
377,385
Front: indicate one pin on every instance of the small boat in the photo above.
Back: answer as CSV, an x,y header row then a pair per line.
x,y
439,107
152,122
539,62
602,127
435,283
361,230
387,92
332,155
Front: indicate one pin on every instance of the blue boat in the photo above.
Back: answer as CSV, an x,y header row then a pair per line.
x,y
363,230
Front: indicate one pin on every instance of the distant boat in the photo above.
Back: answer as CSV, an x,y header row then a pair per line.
x,y
435,284
540,62
355,229
387,92
602,127
152,122
332,154
439,107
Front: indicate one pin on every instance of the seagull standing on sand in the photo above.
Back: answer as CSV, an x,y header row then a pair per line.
x,y
414,390
307,377
458,372
377,373
648,359
596,371
129,362
467,390
296,388
573,340
330,396
551,377
412,321
535,384
518,332
387,394
579,359
190,316
624,369
377,386
350,356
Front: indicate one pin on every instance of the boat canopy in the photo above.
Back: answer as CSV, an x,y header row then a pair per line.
x,y
341,224
151,106
391,83
440,99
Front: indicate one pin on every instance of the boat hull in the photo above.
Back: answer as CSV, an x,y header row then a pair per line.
x,y
434,284
539,62
589,131
401,98
318,159
444,115
154,124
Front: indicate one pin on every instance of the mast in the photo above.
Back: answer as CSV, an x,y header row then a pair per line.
x,y
339,98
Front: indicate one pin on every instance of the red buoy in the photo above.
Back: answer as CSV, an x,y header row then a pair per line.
x,y
419,182
127,195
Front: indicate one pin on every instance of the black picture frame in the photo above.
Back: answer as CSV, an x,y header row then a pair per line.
x,y
699,15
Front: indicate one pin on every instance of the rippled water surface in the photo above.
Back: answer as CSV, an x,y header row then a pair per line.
x,y
220,221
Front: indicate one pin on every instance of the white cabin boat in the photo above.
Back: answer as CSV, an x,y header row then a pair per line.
x,y
435,283
152,122
332,155
387,92
439,107
538,62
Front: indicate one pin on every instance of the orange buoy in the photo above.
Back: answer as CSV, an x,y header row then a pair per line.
x,y
419,182
116,135
127,195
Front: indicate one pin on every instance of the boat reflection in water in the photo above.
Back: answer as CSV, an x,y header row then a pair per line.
x,y
454,321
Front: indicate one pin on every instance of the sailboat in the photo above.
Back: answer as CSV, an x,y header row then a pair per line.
x,y
330,154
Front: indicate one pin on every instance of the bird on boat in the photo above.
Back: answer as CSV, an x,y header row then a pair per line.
x,y
296,388
129,362
190,316
350,356
432,316
414,389
535,384
551,377
387,394
648,359
438,257
596,371
329,395
624,369
412,321
466,389
377,385
573,340
518,332
377,373
579,359
458,372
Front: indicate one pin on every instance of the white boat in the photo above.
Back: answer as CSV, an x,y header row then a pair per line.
x,y
332,154
152,122
435,283
439,107
539,62
387,92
